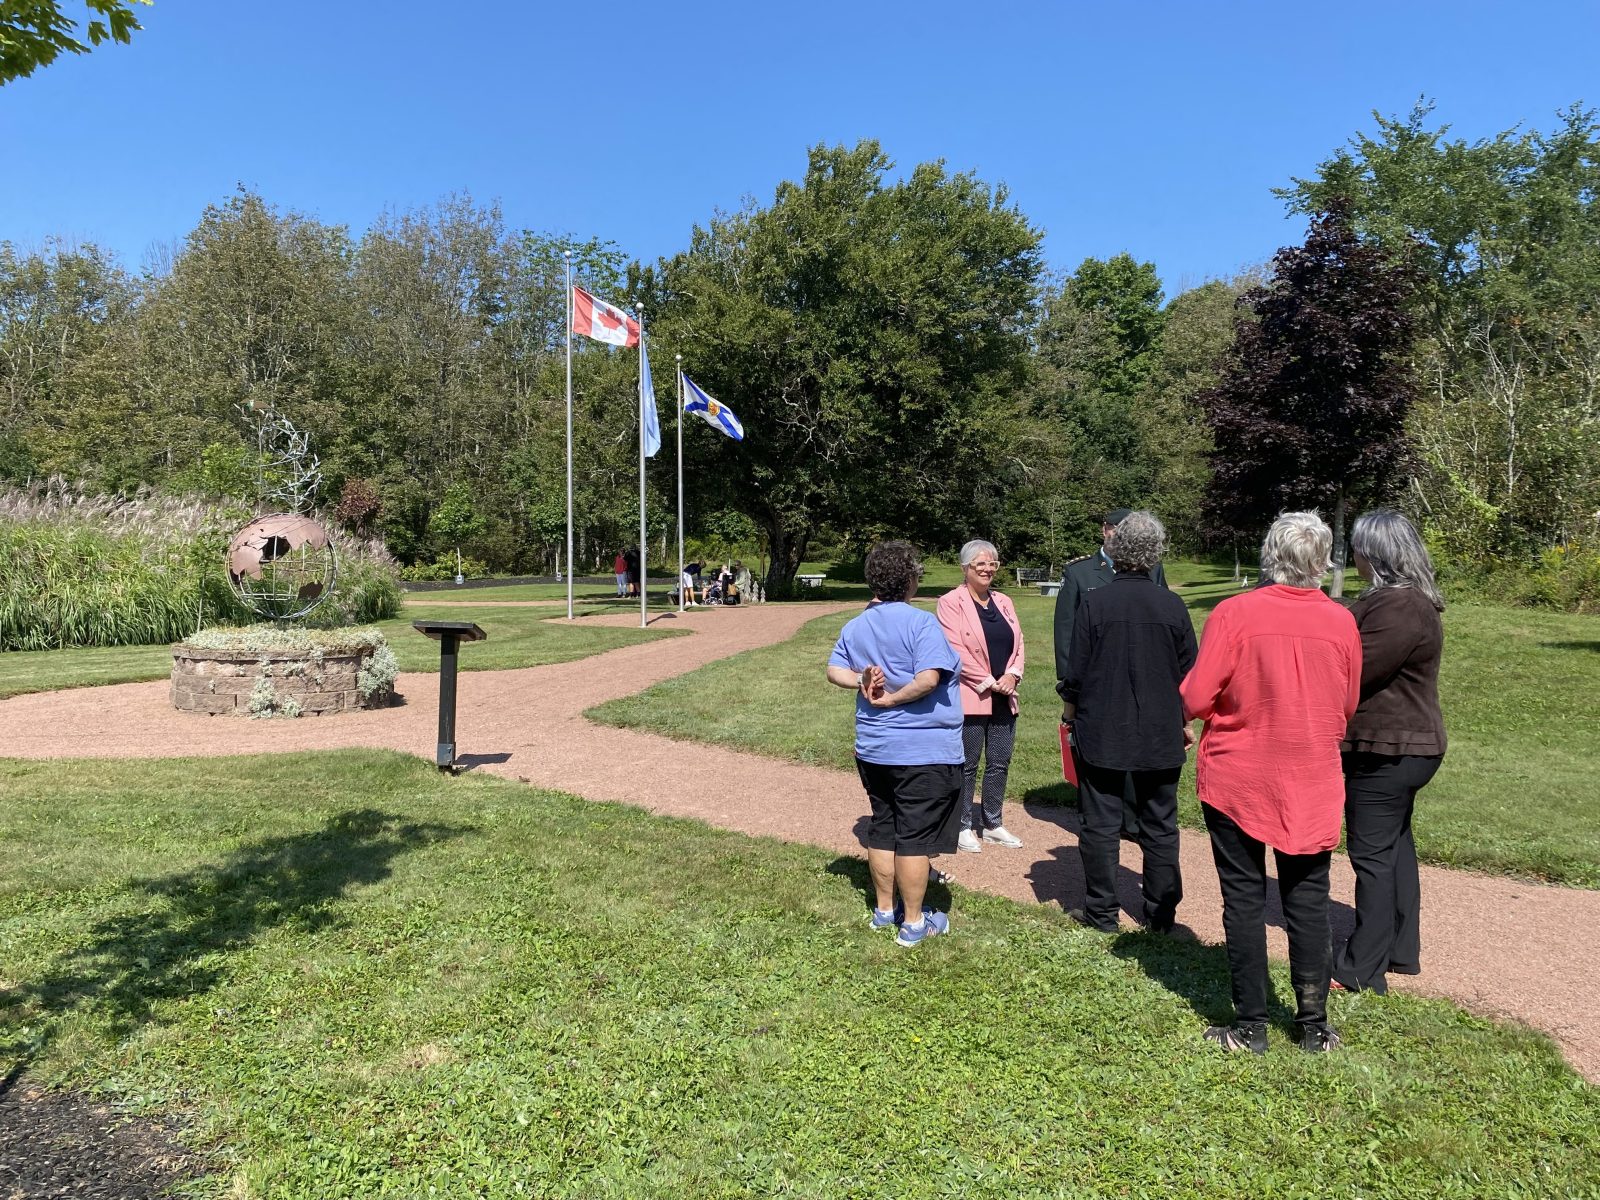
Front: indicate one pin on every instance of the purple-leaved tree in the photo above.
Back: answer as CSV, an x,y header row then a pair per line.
x,y
1311,409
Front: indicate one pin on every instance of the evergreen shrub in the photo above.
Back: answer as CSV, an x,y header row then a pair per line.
x,y
444,567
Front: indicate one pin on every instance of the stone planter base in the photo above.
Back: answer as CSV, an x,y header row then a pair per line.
x,y
236,682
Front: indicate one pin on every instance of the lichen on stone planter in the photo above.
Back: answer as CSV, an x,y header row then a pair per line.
x,y
268,671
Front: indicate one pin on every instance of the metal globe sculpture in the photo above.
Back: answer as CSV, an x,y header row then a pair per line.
x,y
281,566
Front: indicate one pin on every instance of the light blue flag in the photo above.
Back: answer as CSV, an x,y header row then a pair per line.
x,y
647,404
715,413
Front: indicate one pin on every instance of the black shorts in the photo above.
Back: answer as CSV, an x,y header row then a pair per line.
x,y
915,810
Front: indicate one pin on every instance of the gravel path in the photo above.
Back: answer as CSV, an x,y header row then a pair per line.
x,y
1496,946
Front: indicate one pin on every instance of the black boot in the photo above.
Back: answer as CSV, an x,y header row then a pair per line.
x,y
1241,1035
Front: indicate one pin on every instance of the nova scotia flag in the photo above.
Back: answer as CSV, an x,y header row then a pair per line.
x,y
715,413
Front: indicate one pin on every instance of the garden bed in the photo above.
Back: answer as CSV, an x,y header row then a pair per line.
x,y
264,671
64,1144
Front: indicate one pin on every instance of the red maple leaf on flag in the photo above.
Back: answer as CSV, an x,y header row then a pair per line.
x,y
593,317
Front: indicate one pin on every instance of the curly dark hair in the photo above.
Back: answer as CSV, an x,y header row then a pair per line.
x,y
892,569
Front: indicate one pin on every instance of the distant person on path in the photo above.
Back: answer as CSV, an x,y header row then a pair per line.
x,y
620,565
1392,748
1083,575
1132,645
981,625
630,560
1276,681
908,739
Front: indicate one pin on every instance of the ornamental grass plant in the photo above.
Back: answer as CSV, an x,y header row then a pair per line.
x,y
78,569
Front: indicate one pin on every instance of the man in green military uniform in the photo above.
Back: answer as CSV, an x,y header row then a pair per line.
x,y
1084,575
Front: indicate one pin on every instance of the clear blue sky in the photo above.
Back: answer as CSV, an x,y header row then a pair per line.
x,y
1153,128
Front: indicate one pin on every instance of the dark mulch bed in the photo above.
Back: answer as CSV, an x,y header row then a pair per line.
x,y
59,1144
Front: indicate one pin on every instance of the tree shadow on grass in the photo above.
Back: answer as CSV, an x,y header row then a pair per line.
x,y
1591,646
1206,603
1059,793
1058,879
1197,974
185,927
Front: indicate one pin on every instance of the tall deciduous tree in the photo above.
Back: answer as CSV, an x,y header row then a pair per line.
x,y
871,335
1311,412
34,33
1126,297
67,356
1197,332
1089,448
255,310
1506,234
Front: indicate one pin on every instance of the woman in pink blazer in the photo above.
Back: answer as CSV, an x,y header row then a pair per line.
x,y
982,627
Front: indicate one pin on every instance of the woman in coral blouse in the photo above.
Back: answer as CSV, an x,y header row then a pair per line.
x,y
981,626
1277,678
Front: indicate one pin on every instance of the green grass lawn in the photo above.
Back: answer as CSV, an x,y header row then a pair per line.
x,y
1520,689
351,976
46,670
518,637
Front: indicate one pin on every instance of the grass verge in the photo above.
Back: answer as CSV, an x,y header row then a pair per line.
x,y
353,976
1520,690
518,637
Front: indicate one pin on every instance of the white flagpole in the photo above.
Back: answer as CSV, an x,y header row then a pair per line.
x,y
568,256
678,421
644,600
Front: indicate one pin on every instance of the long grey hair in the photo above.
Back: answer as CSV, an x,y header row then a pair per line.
x,y
1393,548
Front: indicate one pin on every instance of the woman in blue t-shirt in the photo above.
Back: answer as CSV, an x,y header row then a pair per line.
x,y
908,738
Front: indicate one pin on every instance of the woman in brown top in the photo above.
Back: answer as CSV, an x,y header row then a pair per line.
x,y
1393,745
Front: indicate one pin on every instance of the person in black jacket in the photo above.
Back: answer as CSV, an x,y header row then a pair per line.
x,y
1132,644
1081,576
1392,747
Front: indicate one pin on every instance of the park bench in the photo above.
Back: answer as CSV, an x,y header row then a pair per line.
x,y
811,581
1049,582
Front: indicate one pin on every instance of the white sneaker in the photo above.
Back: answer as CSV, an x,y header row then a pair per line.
x,y
969,842
1001,836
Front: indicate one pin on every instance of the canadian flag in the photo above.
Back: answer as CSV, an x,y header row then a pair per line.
x,y
593,317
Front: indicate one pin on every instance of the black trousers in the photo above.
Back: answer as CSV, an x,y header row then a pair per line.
x,y
1380,792
1101,792
1303,888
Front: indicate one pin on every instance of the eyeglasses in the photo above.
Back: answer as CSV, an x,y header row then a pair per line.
x,y
984,566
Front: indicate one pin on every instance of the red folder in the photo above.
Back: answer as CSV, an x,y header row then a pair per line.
x,y
1069,768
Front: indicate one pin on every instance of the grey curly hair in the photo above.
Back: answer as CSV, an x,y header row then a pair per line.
x,y
1137,542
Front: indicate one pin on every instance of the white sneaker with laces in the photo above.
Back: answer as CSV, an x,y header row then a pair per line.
x,y
969,842
1001,836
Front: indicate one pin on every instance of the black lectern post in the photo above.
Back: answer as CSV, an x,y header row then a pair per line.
x,y
449,635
